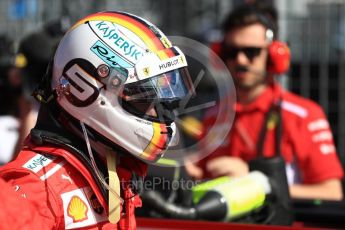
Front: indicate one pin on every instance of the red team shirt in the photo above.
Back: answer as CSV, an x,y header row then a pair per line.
x,y
306,144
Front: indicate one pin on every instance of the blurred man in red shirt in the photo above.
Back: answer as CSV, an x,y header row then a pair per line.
x,y
270,120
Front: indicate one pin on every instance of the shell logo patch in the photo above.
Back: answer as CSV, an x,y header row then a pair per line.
x,y
77,209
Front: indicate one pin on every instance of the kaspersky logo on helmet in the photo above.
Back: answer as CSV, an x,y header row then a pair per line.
x,y
119,39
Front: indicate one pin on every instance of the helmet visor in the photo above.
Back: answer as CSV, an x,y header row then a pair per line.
x,y
169,86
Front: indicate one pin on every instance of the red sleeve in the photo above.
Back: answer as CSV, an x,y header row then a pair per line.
x,y
321,160
27,202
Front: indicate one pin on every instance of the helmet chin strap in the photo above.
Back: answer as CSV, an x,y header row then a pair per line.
x,y
114,184
115,200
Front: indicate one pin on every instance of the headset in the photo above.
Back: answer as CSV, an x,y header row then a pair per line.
x,y
278,57
278,52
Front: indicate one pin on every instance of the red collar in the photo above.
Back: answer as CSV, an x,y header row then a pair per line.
x,y
70,158
128,165
263,102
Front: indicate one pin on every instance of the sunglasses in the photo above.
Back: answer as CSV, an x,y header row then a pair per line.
x,y
231,52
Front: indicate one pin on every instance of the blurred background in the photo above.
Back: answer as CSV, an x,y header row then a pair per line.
x,y
314,30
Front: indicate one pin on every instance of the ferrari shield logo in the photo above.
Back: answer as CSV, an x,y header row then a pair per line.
x,y
146,71
182,59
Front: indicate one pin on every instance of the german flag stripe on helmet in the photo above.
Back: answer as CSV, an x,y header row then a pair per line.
x,y
150,27
158,142
140,28
175,51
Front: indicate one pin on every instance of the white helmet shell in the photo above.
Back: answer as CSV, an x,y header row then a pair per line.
x,y
110,59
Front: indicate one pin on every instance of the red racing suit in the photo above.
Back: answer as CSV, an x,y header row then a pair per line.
x,y
306,141
16,212
63,191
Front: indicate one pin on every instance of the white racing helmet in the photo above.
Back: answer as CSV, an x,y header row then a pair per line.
x,y
120,75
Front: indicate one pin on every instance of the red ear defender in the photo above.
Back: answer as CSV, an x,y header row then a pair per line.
x,y
279,58
216,47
